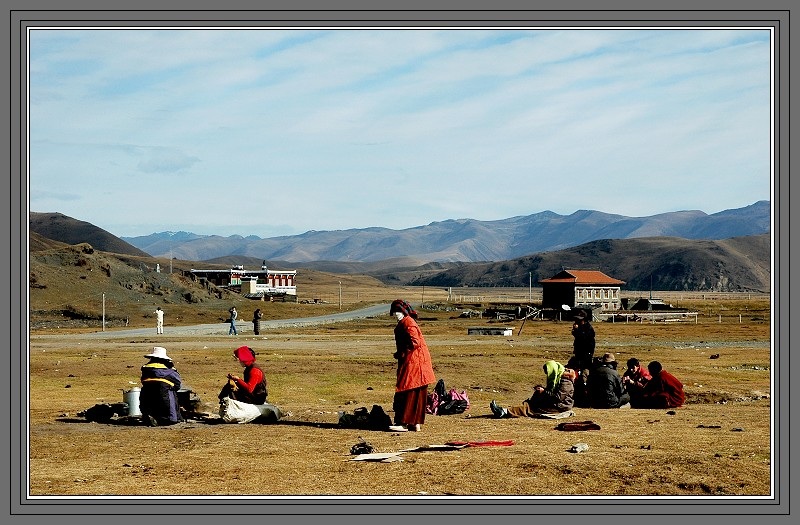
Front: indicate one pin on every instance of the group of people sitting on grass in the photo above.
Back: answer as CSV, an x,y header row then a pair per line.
x,y
158,400
638,387
590,382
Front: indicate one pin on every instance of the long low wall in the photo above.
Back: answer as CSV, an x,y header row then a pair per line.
x,y
475,295
647,317
490,330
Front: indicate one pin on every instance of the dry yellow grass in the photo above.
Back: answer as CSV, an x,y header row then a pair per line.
x,y
719,444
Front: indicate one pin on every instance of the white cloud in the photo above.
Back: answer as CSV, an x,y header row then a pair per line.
x,y
394,128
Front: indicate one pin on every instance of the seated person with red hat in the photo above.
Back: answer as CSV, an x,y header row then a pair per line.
x,y
252,387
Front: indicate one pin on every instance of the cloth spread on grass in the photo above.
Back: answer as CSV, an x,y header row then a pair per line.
x,y
383,457
577,426
557,415
388,457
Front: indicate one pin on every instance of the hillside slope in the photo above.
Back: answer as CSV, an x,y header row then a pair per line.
x,y
62,228
78,287
739,264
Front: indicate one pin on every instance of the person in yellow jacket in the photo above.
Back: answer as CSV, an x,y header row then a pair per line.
x,y
557,396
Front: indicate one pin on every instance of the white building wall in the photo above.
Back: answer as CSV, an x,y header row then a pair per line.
x,y
605,296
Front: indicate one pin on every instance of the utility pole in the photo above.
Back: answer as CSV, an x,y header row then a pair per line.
x,y
530,288
340,295
104,311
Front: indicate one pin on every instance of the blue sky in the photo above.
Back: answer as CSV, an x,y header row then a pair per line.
x,y
273,132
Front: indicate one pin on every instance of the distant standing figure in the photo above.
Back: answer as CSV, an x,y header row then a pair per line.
x,y
159,320
232,330
257,315
583,353
158,400
414,370
662,391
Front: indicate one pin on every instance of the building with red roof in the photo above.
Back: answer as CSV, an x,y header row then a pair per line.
x,y
589,289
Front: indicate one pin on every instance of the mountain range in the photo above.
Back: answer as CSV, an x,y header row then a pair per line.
x,y
461,240
737,263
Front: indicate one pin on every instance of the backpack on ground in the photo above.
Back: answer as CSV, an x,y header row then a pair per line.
x,y
445,402
435,398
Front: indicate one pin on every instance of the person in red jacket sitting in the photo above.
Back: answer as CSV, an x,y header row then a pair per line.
x,y
634,379
414,369
252,387
662,391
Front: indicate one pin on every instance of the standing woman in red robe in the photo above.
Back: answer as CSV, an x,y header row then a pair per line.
x,y
414,370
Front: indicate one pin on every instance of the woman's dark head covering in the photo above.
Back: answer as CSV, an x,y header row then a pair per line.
x,y
399,305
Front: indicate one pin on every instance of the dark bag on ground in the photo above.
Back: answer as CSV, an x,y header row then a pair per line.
x,y
443,402
454,406
104,412
361,418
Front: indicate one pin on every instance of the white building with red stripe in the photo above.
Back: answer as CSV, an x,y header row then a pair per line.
x,y
253,284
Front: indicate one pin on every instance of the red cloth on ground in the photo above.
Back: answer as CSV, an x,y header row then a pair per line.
x,y
506,443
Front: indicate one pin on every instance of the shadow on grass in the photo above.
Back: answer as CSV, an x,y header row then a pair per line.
x,y
126,421
137,422
314,424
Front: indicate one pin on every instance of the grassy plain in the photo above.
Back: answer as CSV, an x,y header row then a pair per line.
x,y
719,444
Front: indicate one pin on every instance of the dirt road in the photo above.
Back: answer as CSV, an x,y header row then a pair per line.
x,y
242,326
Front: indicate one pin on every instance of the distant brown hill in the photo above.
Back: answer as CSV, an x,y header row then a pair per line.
x,y
739,264
59,227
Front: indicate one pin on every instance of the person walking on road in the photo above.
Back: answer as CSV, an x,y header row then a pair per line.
x,y
159,320
232,330
257,315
